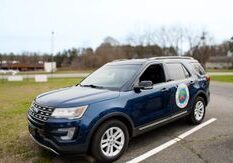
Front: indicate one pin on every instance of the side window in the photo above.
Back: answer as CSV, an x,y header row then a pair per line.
x,y
177,71
199,69
154,73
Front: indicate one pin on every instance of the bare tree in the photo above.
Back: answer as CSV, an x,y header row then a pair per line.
x,y
172,37
201,48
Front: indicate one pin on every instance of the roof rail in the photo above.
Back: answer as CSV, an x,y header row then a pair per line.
x,y
171,57
157,58
119,60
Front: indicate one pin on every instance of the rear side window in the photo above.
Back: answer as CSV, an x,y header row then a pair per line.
x,y
198,68
177,71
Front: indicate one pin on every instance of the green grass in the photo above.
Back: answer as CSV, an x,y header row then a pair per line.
x,y
222,78
15,99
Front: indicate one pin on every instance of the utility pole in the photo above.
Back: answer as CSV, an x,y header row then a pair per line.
x,y
52,52
203,37
231,50
202,50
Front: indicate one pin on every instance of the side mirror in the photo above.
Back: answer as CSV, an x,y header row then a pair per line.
x,y
147,84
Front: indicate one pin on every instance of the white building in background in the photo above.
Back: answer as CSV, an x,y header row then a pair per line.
x,y
112,41
50,66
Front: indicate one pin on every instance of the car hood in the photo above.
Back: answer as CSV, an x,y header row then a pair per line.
x,y
75,96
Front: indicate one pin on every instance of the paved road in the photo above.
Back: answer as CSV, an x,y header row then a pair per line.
x,y
213,143
220,73
74,75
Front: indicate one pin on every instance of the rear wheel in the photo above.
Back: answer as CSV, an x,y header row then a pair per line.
x,y
110,141
198,112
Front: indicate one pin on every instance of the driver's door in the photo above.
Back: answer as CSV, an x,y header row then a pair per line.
x,y
149,105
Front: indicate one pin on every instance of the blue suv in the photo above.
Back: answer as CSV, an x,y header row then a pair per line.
x,y
118,101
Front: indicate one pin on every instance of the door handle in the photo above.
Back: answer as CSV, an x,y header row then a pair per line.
x,y
191,82
163,89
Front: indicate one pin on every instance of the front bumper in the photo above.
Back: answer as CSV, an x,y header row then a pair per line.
x,y
45,136
44,146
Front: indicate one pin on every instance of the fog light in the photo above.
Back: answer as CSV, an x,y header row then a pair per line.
x,y
70,133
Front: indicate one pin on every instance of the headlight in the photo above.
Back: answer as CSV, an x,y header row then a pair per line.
x,y
69,113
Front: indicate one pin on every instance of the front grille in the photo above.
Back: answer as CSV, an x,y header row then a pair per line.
x,y
40,113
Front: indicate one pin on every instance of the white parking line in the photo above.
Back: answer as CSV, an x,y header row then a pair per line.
x,y
170,143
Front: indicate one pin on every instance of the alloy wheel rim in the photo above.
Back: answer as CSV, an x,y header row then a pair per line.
x,y
199,110
112,141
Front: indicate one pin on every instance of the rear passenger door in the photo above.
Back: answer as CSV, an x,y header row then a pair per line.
x,y
181,82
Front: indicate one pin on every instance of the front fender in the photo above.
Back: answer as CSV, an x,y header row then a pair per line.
x,y
108,116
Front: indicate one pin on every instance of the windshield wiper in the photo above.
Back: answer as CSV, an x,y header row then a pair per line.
x,y
92,86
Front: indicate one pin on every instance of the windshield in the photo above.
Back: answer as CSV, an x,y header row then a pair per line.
x,y
110,76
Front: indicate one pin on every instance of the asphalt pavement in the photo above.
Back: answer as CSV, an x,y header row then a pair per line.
x,y
212,143
66,75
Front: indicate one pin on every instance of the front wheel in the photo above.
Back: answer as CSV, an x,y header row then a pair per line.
x,y
110,141
198,112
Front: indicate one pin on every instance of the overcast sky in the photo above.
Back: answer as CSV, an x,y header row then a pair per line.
x,y
26,25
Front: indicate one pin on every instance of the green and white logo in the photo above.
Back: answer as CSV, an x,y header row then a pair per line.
x,y
182,96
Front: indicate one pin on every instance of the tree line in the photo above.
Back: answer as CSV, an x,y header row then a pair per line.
x,y
172,41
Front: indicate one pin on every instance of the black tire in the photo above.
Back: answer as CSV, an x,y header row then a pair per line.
x,y
96,141
192,118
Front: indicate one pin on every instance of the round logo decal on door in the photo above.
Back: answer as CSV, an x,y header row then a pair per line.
x,y
182,96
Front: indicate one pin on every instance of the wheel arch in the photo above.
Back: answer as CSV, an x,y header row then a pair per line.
x,y
203,95
118,116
